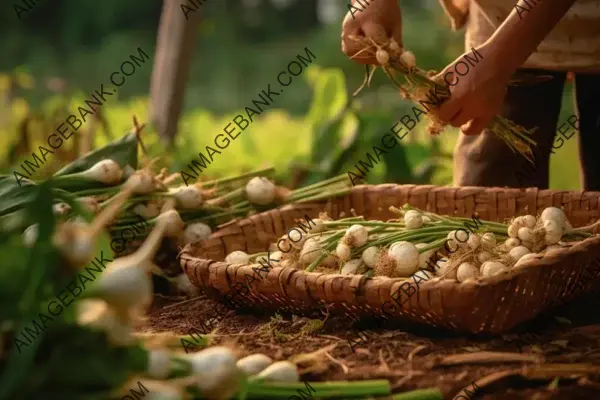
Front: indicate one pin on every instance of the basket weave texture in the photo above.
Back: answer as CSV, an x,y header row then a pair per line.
x,y
487,305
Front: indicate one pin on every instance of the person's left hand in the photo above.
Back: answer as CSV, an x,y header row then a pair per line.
x,y
477,96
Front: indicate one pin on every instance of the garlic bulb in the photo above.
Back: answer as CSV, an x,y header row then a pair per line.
x,y
183,284
254,364
426,219
408,58
444,269
488,241
281,371
425,256
382,56
466,271
357,235
319,225
104,171
124,287
216,371
413,219
276,258
406,258
296,238
554,214
237,257
370,256
529,221
159,364
343,251
525,234
260,190
89,203
513,230
491,268
148,210
175,224
553,231
189,197
310,251
61,209
352,267
511,243
30,235
474,241
196,232
517,252
484,256
141,182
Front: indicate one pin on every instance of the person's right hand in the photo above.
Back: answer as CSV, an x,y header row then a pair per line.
x,y
379,20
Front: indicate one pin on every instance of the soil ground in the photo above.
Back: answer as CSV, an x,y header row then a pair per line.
x,y
413,357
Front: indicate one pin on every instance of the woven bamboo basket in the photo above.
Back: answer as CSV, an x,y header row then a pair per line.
x,y
488,305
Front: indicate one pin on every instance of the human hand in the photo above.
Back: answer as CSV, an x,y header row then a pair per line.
x,y
379,20
476,96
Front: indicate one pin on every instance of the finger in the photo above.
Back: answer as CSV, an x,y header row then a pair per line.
x,y
475,126
448,110
375,31
460,119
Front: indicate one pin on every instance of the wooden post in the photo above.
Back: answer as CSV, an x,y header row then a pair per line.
x,y
174,50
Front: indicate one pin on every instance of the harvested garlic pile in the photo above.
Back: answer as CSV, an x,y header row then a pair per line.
x,y
421,244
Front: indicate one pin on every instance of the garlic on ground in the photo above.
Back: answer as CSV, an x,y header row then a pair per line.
x,y
488,241
159,364
511,243
484,256
517,252
425,256
105,171
61,209
254,364
175,224
260,190
529,221
343,251
370,256
189,197
30,235
408,58
382,57
443,269
491,268
352,267
357,235
237,257
310,251
196,232
406,258
183,284
281,371
97,315
525,234
474,241
413,219
466,271
142,182
216,372
553,231
554,214
148,210
526,257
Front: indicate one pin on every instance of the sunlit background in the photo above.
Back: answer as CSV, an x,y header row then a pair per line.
x,y
62,50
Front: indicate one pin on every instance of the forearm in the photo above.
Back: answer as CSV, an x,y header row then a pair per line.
x,y
523,30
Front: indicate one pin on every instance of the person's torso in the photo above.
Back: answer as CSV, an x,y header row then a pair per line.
x,y
573,44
